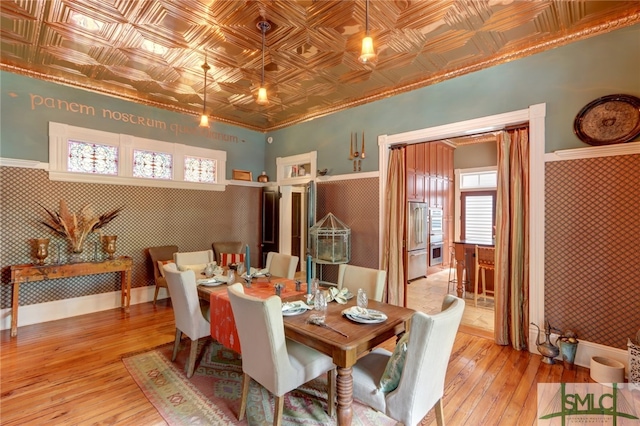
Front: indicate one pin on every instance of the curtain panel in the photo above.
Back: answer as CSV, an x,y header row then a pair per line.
x,y
512,240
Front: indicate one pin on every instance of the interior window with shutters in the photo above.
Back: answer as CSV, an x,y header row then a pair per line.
x,y
478,205
478,215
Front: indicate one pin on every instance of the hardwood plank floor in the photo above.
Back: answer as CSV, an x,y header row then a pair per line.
x,y
69,372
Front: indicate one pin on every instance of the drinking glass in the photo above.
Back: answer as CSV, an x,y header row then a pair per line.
x,y
363,301
241,269
314,288
320,305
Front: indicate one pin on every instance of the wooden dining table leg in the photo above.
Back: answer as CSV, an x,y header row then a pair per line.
x,y
344,388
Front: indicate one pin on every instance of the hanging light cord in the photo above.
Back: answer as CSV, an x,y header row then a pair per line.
x,y
366,18
264,26
205,68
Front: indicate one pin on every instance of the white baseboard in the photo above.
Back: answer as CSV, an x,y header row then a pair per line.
x,y
586,350
66,308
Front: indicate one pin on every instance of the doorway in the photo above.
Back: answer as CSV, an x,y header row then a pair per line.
x,y
535,117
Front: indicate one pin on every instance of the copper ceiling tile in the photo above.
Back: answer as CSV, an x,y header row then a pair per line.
x,y
151,51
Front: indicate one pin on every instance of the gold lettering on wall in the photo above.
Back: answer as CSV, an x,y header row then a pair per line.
x,y
38,102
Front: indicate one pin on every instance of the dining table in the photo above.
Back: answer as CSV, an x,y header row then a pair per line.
x,y
351,341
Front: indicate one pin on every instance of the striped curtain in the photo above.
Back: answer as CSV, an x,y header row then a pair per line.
x,y
512,240
394,229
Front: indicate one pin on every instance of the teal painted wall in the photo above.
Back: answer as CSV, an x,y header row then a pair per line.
x,y
565,78
28,105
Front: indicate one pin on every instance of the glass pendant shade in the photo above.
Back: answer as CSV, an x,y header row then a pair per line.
x,y
204,120
262,96
368,54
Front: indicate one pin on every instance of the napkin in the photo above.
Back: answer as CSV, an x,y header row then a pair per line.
x,y
339,296
292,306
363,313
255,271
220,277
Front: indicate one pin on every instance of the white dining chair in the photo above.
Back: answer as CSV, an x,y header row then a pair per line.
x,y
191,318
277,363
370,280
193,258
421,380
282,265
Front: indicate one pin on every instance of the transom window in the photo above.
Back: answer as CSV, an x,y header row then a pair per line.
x,y
152,165
479,180
78,154
199,169
92,158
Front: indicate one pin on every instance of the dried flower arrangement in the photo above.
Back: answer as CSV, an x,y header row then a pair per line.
x,y
76,227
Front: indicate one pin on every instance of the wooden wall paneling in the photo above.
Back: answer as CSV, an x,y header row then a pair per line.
x,y
411,157
412,194
433,154
433,191
420,158
440,159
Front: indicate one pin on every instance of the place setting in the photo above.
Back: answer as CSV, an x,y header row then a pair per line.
x,y
361,314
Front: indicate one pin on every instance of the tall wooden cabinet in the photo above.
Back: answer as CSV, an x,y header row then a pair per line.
x,y
430,179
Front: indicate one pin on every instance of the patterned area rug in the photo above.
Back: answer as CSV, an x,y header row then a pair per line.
x,y
212,395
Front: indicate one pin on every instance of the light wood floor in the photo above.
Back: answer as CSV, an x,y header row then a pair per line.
x,y
69,372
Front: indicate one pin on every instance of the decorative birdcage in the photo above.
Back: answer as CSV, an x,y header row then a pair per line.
x,y
330,241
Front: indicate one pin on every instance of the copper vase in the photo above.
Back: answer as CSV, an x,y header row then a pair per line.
x,y
109,245
40,249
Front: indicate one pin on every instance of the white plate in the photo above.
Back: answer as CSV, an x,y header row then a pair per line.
x,y
363,320
209,282
293,312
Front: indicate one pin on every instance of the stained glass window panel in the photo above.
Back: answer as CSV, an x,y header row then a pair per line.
x,y
152,165
200,170
93,158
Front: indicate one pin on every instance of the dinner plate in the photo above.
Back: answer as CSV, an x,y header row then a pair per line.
x,y
293,312
364,320
209,282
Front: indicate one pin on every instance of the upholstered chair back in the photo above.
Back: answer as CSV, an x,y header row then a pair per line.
x,y
282,265
193,257
355,277
430,343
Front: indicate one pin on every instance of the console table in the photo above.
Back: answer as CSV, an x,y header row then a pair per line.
x,y
21,274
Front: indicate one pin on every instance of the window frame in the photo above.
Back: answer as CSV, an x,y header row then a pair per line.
x,y
60,133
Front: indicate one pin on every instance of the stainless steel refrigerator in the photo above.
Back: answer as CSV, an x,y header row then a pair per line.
x,y
417,247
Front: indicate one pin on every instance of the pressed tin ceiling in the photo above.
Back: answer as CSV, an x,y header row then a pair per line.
x,y
151,51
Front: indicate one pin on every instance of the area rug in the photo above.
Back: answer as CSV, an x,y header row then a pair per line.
x,y
212,395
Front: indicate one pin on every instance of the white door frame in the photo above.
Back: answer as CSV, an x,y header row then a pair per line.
x,y
535,116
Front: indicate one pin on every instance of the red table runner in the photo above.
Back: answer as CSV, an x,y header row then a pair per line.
x,y
223,326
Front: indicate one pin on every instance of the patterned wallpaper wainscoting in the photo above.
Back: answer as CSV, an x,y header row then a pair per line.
x,y
190,219
355,202
592,248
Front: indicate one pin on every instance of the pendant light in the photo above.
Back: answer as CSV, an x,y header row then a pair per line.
x,y
368,54
263,26
204,119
